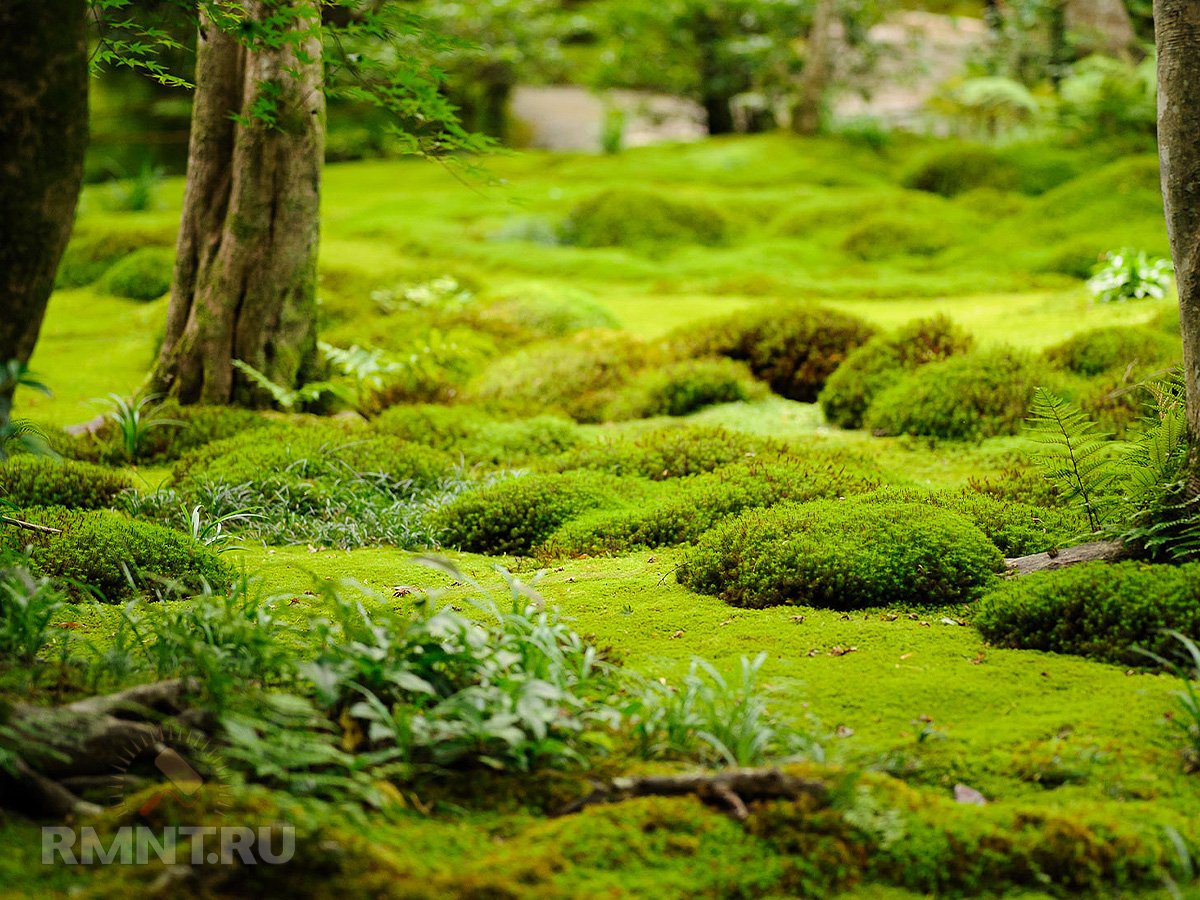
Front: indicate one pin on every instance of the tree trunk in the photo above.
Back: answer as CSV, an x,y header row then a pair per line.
x,y
809,110
43,135
1101,26
245,271
1177,34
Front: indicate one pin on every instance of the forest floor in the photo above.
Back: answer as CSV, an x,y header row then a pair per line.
x,y
909,695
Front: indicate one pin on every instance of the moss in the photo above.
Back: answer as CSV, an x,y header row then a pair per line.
x,y
793,347
842,555
682,388
96,550
977,395
1102,350
89,255
477,435
642,219
39,481
144,274
665,453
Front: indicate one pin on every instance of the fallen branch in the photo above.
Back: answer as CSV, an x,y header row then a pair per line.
x,y
29,526
1095,551
729,791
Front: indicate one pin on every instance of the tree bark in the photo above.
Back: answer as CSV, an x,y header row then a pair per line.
x,y
809,109
246,258
43,135
1177,34
1101,26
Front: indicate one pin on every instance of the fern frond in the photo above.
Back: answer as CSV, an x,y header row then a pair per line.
x,y
286,399
1076,455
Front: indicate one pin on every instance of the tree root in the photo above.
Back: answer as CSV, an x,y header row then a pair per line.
x,y
63,749
729,791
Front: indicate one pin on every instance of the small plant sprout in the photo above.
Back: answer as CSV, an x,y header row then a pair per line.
x,y
134,419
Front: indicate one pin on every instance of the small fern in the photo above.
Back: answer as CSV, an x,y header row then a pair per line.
x,y
289,399
1076,455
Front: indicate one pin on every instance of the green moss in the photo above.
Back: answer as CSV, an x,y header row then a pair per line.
x,y
144,274
882,360
682,388
478,436
96,549
842,555
663,453
1102,350
1100,610
39,481
641,219
792,347
967,397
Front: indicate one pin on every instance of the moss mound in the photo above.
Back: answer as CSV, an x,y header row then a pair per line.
x,y
95,549
642,219
699,503
969,397
144,274
792,347
477,435
40,481
1117,347
667,453
682,388
842,555
515,515
883,360
1097,610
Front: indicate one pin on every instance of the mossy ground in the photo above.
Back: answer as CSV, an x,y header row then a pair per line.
x,y
912,694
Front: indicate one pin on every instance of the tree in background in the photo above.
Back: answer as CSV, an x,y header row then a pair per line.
x,y
246,258
245,275
43,136
1177,34
705,50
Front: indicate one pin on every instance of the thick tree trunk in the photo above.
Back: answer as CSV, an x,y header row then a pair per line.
x,y
245,272
43,135
1101,26
809,110
1177,34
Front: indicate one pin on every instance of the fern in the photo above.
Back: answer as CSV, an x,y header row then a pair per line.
x,y
1167,521
289,399
1076,456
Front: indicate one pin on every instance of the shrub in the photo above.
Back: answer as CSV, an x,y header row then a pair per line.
x,y
478,436
577,376
88,257
29,480
794,348
144,274
882,360
95,549
1116,347
682,388
1099,610
968,397
666,453
842,555
955,170
642,219
1016,528
699,503
515,515
886,236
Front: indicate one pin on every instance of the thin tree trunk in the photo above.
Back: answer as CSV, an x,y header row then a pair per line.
x,y
1101,26
245,270
43,135
1177,34
809,110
